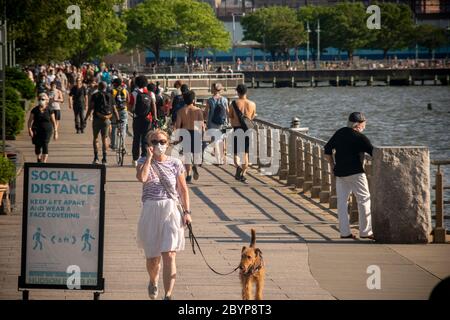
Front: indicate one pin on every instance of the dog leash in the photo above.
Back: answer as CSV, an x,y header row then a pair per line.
x,y
192,237
194,242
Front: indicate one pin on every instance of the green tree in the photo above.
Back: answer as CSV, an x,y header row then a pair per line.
x,y
350,31
396,30
199,28
430,37
102,31
146,32
276,27
41,33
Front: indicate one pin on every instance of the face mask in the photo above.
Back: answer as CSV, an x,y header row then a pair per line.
x,y
160,149
41,103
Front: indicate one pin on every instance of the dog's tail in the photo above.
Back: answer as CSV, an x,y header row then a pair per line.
x,y
253,241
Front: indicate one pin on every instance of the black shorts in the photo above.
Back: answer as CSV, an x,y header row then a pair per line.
x,y
57,114
246,143
192,147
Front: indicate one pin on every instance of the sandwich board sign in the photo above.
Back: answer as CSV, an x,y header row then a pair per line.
x,y
62,227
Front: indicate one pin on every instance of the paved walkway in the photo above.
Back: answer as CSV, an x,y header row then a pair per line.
x,y
304,256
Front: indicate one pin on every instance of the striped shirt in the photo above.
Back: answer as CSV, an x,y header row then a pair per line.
x,y
153,189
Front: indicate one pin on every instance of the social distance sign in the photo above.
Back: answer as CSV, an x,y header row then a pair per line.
x,y
47,182
63,212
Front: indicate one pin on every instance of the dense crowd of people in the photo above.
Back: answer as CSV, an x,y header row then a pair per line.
x,y
106,97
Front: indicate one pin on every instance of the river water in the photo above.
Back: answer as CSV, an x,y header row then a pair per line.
x,y
397,116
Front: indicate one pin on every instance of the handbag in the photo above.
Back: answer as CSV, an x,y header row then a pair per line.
x,y
166,184
246,123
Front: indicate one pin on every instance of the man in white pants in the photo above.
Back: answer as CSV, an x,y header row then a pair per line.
x,y
350,144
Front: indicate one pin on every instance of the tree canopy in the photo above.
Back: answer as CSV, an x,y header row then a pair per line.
x,y
161,24
350,30
277,28
430,37
146,32
40,30
325,16
396,30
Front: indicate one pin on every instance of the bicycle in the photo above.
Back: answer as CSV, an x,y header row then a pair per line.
x,y
120,150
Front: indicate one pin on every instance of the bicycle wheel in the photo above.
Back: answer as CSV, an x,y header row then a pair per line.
x,y
118,152
121,150
123,155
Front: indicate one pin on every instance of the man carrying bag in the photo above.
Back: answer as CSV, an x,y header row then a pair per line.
x,y
102,103
242,112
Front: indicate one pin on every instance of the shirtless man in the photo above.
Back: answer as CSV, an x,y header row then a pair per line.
x,y
248,109
186,119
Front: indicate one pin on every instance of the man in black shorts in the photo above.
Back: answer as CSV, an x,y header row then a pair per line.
x,y
248,109
191,119
102,103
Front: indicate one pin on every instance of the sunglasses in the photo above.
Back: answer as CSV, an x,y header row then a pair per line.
x,y
43,99
155,142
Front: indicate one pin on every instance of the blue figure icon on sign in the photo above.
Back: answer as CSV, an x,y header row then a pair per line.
x,y
37,238
85,238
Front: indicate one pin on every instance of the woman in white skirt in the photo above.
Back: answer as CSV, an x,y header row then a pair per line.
x,y
161,226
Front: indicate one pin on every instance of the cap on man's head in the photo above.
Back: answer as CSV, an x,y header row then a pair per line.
x,y
356,117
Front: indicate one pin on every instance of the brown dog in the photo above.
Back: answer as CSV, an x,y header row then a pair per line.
x,y
252,270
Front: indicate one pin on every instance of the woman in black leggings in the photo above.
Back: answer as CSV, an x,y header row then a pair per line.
x,y
41,126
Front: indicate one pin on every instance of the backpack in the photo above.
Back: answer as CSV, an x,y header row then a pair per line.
x,y
143,105
177,104
106,77
220,113
159,105
103,105
120,97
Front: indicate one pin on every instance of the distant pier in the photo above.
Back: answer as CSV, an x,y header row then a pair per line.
x,y
347,77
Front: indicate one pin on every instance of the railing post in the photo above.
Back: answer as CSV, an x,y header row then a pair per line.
x,y
307,184
317,170
300,163
439,230
292,177
292,154
284,157
258,132
333,197
324,195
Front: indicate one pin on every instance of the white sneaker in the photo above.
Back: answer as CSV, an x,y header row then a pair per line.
x,y
152,291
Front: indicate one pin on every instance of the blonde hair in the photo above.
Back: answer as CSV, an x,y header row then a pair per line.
x,y
155,132
216,87
43,94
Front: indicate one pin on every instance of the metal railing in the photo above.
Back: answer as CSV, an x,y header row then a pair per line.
x,y
356,64
198,81
361,64
439,229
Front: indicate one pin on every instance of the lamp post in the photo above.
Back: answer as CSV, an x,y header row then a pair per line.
x,y
234,33
318,43
308,31
417,45
4,53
